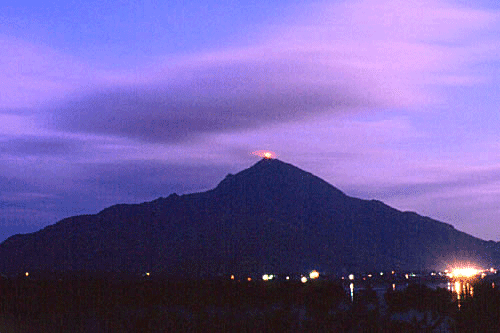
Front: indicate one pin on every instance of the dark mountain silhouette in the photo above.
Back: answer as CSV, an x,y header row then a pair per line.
x,y
272,217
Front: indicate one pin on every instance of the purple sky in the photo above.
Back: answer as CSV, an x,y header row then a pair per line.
x,y
115,102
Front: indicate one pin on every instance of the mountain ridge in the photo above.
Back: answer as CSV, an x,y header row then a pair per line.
x,y
272,216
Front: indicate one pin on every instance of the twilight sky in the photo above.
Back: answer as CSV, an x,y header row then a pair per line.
x,y
105,102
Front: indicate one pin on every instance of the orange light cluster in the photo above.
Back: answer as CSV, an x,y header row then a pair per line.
x,y
314,275
265,154
465,272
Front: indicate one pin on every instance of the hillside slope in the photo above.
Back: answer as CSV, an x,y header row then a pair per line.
x,y
271,217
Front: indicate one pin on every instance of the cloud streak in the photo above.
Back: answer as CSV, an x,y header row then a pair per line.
x,y
31,75
39,146
362,56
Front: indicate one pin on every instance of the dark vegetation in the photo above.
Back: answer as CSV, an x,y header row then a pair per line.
x,y
125,304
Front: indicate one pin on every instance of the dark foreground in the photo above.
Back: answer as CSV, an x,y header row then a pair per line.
x,y
116,304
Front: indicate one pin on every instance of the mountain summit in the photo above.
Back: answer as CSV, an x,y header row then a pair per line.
x,y
271,182
271,217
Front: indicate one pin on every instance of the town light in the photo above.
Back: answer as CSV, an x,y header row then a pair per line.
x,y
314,275
465,272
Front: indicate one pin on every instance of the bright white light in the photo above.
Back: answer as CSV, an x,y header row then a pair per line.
x,y
458,289
351,277
466,272
381,273
147,273
314,275
288,278
265,277
27,273
303,279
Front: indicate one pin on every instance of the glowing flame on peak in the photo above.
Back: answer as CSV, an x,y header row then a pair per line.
x,y
265,154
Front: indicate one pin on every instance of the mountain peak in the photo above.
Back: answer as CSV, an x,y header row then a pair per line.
x,y
272,176
272,165
269,161
271,217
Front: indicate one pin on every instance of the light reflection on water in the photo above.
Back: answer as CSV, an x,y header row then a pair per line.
x,y
380,290
461,288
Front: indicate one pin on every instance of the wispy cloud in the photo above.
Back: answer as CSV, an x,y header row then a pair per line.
x,y
32,75
360,55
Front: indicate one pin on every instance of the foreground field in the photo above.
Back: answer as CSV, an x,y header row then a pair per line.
x,y
117,304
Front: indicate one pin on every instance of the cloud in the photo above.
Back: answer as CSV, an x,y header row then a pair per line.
x,y
448,182
39,146
363,55
31,75
17,124
217,99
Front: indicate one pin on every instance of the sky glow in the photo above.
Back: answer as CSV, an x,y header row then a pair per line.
x,y
105,102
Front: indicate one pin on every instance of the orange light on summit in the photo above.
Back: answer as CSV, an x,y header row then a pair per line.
x,y
267,154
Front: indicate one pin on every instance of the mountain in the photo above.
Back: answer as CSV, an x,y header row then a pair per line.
x,y
271,217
